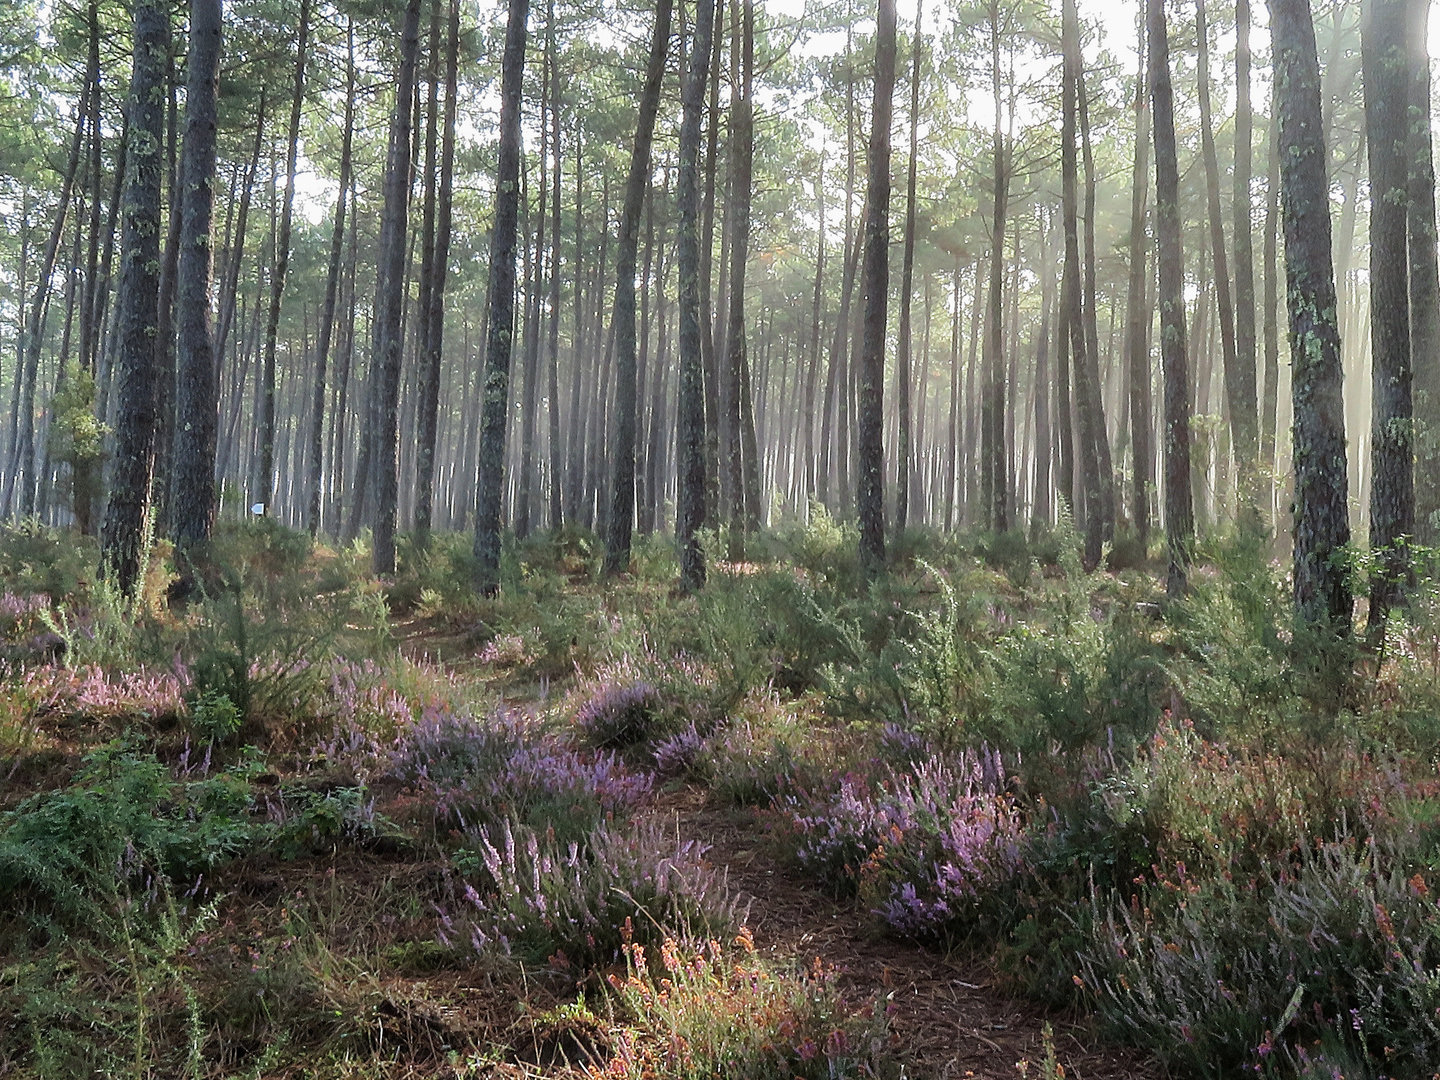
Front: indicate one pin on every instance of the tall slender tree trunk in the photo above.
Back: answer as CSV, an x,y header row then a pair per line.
x,y
530,401
1244,421
1137,322
265,479
870,490
1239,389
1322,520
1094,385
907,274
387,333
1270,322
1179,507
332,289
690,418
496,399
1091,427
23,471
123,536
622,506
734,386
556,448
1388,129
434,312
1424,280
994,480
192,502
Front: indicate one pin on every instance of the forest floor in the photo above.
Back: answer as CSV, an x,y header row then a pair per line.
x,y
949,1017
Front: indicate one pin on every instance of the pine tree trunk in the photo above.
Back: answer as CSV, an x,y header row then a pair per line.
x,y
1090,428
433,313
165,321
1424,281
1392,485
123,536
870,490
496,398
332,289
384,392
23,469
265,479
690,419
1270,323
1322,522
557,449
622,491
1094,388
1244,421
907,273
1137,322
1239,384
192,502
1179,508
530,403
710,339
994,483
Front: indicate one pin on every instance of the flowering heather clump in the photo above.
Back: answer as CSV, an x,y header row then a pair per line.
x,y
90,693
573,905
1227,976
618,715
702,1011
21,616
478,771
678,754
509,651
923,846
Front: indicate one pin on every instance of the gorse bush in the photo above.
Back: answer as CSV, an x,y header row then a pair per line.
x,y
573,905
71,854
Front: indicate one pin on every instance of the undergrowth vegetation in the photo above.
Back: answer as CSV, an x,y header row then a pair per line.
x,y
231,831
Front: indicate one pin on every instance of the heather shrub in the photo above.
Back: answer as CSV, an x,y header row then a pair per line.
x,y
481,772
633,702
925,848
700,1010
572,905
1334,956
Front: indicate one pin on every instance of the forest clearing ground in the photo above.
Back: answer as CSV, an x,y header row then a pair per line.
x,y
949,1018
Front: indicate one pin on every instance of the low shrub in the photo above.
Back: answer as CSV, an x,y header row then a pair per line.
x,y
1335,955
573,905
925,847
698,1011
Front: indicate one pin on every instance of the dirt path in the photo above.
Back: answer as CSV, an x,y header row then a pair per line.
x,y
951,1021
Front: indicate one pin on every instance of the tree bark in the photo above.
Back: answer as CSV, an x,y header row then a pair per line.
x,y
1179,507
690,419
1090,428
557,514
434,312
903,451
1424,281
123,536
1244,421
1137,322
1392,487
384,392
1322,522
870,491
994,481
332,289
622,492
265,479
496,400
192,502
